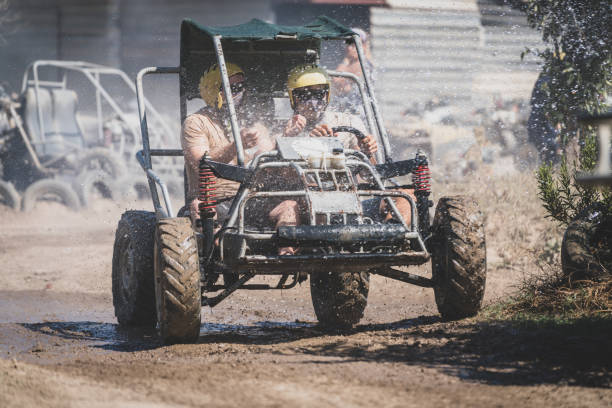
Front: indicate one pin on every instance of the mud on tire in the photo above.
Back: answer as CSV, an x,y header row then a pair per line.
x,y
458,257
177,281
133,287
339,299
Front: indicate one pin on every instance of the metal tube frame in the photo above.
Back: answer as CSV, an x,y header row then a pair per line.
x,y
370,91
229,100
144,156
92,72
236,216
366,106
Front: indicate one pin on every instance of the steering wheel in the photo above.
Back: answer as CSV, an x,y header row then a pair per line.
x,y
349,129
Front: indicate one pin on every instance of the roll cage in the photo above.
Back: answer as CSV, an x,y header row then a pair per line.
x,y
267,52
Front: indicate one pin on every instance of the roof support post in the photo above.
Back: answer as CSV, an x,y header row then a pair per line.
x,y
369,87
228,99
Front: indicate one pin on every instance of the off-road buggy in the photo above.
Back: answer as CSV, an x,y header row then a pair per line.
x,y
69,129
165,269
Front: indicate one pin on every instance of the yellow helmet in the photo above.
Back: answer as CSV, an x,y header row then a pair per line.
x,y
306,75
210,84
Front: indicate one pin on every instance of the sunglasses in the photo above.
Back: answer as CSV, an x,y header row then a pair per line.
x,y
304,95
236,88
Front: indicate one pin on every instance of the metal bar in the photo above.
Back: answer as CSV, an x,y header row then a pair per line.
x,y
24,136
229,100
99,112
142,114
87,69
366,106
166,152
48,84
274,265
154,195
109,99
387,193
381,127
212,302
149,105
38,108
381,186
407,277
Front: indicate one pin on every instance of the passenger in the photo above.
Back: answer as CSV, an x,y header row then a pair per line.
x,y
346,94
208,131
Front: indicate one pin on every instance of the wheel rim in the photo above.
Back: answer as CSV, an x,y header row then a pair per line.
x,y
127,272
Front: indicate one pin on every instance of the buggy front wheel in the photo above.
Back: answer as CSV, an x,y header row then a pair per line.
x,y
458,255
177,281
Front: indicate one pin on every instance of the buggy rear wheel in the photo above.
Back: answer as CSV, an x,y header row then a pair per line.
x,y
133,289
91,186
102,160
177,281
459,265
339,299
9,197
50,190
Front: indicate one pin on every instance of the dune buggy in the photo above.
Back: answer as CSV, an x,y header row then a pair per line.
x,y
69,127
165,268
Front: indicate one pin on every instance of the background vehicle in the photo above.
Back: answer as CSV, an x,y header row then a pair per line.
x,y
70,130
165,269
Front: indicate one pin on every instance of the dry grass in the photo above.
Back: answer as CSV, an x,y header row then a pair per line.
x,y
551,295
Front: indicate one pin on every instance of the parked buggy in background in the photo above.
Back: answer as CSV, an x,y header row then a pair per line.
x,y
54,148
165,268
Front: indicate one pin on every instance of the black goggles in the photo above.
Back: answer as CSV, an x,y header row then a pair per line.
x,y
236,88
309,94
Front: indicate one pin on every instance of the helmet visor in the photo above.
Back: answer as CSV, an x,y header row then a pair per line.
x,y
236,87
306,94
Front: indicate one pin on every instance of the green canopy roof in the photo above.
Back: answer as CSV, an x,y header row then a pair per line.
x,y
322,27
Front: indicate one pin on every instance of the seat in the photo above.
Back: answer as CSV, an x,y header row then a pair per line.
x,y
31,117
64,118
58,110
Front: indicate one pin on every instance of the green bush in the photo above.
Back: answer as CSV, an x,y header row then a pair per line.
x,y
577,61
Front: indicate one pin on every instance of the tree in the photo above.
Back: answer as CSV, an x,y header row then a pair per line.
x,y
577,61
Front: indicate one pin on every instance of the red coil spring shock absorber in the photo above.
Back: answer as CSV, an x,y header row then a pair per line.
x,y
207,191
207,207
422,179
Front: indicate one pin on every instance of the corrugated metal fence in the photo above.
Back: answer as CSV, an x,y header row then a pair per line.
x,y
464,52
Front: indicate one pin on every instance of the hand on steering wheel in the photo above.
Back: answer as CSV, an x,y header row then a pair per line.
x,y
367,143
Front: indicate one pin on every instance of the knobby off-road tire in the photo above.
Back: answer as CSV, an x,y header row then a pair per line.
x,y
102,160
585,250
133,287
56,189
91,185
339,299
9,197
459,265
177,281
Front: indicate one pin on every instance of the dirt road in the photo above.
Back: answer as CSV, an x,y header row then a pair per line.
x,y
60,345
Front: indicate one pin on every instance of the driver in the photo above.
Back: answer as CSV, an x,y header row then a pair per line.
x,y
309,94
208,131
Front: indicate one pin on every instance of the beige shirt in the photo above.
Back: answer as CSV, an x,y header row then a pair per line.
x,y
203,131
